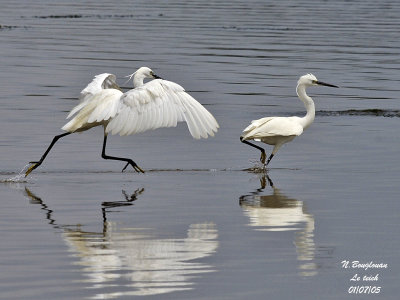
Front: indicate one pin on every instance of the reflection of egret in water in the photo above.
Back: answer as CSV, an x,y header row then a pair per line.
x,y
134,261
277,212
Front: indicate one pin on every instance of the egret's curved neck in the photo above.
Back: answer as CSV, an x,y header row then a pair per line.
x,y
138,80
308,104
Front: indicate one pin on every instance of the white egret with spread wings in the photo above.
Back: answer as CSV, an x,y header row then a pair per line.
x,y
277,131
155,104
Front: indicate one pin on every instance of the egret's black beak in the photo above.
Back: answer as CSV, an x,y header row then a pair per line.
x,y
156,76
326,84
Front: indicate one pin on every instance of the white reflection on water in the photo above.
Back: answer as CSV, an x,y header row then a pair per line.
x,y
144,262
123,261
277,212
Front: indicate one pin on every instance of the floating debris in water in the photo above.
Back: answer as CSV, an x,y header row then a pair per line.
x,y
76,16
7,27
79,16
374,112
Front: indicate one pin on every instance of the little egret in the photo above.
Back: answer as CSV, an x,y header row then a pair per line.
x,y
157,103
277,131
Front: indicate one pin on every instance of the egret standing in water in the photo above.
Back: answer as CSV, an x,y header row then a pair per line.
x,y
277,131
157,103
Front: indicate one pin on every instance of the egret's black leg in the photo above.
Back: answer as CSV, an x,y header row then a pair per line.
x,y
128,160
269,158
263,155
36,164
271,184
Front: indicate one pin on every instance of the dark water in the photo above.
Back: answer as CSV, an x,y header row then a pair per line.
x,y
198,224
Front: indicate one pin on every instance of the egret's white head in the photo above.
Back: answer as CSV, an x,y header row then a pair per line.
x,y
146,73
307,80
141,74
311,80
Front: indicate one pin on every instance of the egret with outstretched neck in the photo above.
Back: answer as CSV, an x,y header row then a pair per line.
x,y
155,104
277,131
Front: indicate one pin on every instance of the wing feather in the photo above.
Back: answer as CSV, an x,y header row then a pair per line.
x,y
99,82
202,117
102,107
125,125
161,103
157,116
135,122
273,126
172,113
191,123
205,117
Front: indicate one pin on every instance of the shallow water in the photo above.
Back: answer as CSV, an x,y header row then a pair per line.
x,y
203,222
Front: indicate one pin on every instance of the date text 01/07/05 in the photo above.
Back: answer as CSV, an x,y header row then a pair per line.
x,y
367,289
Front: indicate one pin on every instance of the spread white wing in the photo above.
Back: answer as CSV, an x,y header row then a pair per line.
x,y
99,82
161,103
99,103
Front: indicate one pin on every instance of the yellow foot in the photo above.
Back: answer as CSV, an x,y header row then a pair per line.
x,y
138,169
134,166
31,168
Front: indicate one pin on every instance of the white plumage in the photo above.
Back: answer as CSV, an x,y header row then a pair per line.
x,y
277,131
98,84
155,104
158,103
273,126
161,103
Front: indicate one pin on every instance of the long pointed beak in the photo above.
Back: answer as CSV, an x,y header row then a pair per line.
x,y
326,84
156,76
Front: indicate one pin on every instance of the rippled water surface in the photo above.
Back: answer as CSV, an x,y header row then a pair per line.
x,y
204,222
